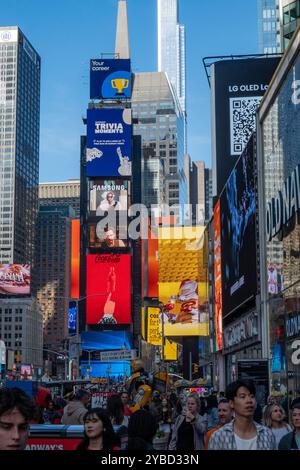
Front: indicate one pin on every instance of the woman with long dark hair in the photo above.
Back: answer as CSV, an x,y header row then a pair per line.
x,y
141,430
98,432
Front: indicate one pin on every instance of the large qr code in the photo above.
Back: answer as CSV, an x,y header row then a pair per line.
x,y
242,121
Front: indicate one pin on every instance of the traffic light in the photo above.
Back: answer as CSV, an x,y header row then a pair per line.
x,y
195,368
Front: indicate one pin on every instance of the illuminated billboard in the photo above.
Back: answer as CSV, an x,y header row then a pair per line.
x,y
106,234
110,79
15,279
182,281
238,86
72,318
108,290
108,195
153,327
218,279
238,233
109,133
75,259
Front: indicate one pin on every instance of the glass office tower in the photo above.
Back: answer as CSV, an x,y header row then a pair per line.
x,y
19,145
268,26
171,47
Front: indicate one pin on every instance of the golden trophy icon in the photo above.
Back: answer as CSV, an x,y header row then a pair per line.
x,y
120,84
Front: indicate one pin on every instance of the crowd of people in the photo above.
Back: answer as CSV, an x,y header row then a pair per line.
x,y
224,421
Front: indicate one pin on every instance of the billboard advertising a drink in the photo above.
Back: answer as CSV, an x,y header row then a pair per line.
x,y
108,150
108,290
238,233
218,279
14,279
110,79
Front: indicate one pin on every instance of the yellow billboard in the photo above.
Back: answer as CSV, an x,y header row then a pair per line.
x,y
171,351
153,327
183,287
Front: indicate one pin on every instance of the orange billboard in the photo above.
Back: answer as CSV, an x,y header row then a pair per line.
x,y
218,277
75,259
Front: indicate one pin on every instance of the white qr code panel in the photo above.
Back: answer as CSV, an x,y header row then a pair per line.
x,y
242,121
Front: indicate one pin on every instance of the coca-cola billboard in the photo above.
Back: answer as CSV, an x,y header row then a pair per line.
x,y
108,290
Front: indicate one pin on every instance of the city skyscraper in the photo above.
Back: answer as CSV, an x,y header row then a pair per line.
x,y
269,26
19,145
65,193
289,11
20,69
54,266
201,192
159,120
171,47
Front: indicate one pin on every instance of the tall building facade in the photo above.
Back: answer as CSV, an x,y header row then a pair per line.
x,y
158,118
269,26
201,192
20,70
19,145
289,11
53,265
65,193
171,47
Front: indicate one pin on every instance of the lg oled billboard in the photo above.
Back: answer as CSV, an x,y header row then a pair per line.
x,y
108,150
238,233
237,89
108,290
110,79
15,279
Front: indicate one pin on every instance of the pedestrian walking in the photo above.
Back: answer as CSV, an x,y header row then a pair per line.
x,y
225,416
212,412
190,427
242,433
75,411
16,412
274,418
291,441
98,432
141,430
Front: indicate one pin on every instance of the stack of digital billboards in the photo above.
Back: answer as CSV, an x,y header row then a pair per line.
x,y
109,173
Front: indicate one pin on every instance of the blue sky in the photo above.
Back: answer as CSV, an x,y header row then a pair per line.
x,y
67,33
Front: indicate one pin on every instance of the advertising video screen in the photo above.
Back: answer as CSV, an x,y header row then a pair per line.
x,y
182,284
218,279
109,133
108,233
75,259
108,290
238,86
238,233
72,318
110,79
108,195
15,279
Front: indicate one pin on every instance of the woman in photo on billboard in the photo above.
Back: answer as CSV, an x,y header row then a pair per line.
x,y
98,432
108,203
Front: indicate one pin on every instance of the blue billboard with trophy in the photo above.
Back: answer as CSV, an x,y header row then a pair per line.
x,y
110,79
108,150
72,318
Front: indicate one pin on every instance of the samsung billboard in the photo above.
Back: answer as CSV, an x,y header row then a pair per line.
x,y
108,150
110,79
238,86
238,233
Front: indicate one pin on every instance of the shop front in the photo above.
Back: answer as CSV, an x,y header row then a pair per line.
x,y
279,207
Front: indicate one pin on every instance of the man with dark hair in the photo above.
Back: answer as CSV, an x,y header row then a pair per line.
x,y
242,433
291,441
16,412
75,411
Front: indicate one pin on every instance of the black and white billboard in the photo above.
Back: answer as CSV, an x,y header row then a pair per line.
x,y
238,233
238,86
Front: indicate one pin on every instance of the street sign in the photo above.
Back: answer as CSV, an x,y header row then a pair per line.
x,y
118,355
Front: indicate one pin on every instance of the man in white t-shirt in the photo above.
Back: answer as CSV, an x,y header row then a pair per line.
x,y
243,433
